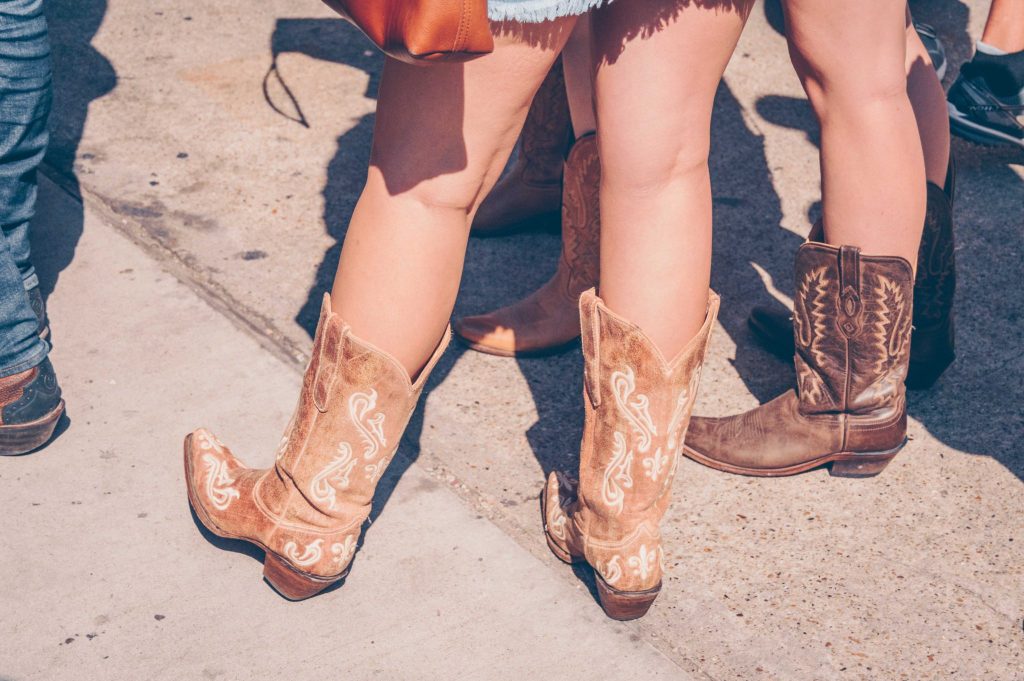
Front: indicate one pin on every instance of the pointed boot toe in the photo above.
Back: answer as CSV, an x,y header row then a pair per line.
x,y
485,333
851,328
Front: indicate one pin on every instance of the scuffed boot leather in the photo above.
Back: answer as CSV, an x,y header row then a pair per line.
x,y
852,334
932,344
546,321
637,409
307,510
528,196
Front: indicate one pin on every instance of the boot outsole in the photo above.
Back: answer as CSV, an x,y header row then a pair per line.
x,y
22,438
287,580
843,464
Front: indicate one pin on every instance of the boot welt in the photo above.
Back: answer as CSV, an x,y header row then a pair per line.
x,y
560,553
547,351
22,438
844,464
286,579
624,605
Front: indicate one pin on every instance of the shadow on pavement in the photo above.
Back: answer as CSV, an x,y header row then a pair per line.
x,y
81,75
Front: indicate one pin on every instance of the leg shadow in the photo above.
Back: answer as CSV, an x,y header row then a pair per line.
x,y
81,75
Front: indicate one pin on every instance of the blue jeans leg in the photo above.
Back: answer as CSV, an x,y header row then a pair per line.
x,y
25,100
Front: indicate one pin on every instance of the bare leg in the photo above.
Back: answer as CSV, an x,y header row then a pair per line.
x,y
655,92
1005,25
872,165
929,102
442,135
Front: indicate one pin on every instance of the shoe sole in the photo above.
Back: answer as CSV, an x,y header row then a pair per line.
x,y
287,580
843,464
22,438
963,127
520,354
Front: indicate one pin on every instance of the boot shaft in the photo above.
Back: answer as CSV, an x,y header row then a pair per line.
x,y
355,403
547,132
935,285
581,215
851,323
637,408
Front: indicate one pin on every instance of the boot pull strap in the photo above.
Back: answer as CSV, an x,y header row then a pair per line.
x,y
851,306
327,365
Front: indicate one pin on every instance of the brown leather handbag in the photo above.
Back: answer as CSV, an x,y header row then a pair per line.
x,y
422,31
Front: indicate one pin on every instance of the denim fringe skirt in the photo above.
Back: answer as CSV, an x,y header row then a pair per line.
x,y
534,11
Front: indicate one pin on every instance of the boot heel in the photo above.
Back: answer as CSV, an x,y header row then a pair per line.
x,y
625,605
859,468
291,584
23,438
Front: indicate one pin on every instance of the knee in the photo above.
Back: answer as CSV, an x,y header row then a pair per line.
x,y
834,79
643,169
448,193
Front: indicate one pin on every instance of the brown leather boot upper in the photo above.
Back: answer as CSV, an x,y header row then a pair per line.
x,y
528,195
309,507
637,408
851,325
932,345
547,319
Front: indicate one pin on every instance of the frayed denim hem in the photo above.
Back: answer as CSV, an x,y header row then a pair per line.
x,y
536,11
34,356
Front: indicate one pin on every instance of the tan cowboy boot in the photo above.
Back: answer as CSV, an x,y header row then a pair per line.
x,y
545,321
852,331
637,410
528,195
307,511
932,347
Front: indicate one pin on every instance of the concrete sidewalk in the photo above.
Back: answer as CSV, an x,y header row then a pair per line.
x,y
105,575
229,139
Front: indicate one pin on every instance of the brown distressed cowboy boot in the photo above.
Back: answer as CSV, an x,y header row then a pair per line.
x,y
637,409
932,347
528,196
545,321
307,511
852,332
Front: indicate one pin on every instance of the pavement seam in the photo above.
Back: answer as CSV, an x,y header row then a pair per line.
x,y
178,265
